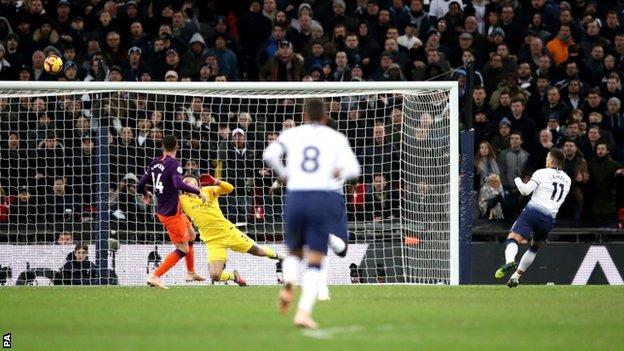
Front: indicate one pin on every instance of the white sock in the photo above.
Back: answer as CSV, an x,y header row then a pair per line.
x,y
337,245
309,290
526,260
290,268
323,289
511,250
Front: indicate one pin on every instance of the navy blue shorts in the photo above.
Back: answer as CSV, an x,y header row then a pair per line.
x,y
533,223
338,225
307,219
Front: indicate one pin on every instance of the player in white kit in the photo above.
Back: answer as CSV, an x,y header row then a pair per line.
x,y
338,231
549,186
316,156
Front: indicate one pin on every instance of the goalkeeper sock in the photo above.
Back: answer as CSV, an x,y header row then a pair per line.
x,y
169,262
190,258
290,267
525,262
337,245
309,290
511,250
225,276
270,253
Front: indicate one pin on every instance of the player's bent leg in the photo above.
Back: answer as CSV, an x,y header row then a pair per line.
x,y
218,274
338,245
511,250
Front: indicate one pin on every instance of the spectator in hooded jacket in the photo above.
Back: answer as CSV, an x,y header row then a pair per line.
x,y
78,270
193,59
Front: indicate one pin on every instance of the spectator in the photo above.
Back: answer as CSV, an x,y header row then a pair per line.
x,y
385,61
554,106
502,140
127,205
382,202
65,238
520,122
193,58
604,175
172,62
123,153
270,47
380,157
228,64
490,198
592,38
26,209
589,143
558,47
543,147
342,71
16,161
285,66
593,103
61,206
575,167
133,67
84,166
614,122
78,270
538,96
513,162
171,76
341,17
485,164
182,27
612,88
50,158
254,28
239,168
494,73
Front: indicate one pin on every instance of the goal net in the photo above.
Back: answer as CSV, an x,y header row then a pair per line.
x,y
72,154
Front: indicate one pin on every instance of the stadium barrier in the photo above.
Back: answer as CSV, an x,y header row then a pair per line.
x,y
557,263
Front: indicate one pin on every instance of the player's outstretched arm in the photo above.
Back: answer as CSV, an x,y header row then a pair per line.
x,y
221,187
224,187
525,189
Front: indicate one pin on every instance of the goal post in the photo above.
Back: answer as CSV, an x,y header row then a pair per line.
x,y
83,145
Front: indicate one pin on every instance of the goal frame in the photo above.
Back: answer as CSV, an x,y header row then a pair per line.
x,y
329,87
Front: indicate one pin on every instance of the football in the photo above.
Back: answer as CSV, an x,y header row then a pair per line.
x,y
53,64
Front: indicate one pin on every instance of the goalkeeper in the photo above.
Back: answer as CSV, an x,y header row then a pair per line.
x,y
216,231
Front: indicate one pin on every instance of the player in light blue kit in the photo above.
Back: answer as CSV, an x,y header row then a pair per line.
x,y
549,186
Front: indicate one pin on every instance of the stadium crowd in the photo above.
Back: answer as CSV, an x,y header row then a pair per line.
x,y
547,74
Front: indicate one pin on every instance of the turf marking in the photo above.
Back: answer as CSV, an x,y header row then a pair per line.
x,y
329,333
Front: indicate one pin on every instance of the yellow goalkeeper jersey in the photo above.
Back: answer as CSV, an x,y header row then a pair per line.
x,y
207,217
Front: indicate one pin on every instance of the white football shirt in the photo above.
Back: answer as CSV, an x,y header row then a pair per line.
x,y
553,186
313,154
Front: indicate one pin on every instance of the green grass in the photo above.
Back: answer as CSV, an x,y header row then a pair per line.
x,y
358,318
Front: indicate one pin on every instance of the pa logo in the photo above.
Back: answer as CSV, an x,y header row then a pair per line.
x,y
6,341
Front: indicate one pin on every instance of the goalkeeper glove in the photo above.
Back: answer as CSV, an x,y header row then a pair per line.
x,y
206,179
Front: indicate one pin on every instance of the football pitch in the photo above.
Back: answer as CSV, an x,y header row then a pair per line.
x,y
378,317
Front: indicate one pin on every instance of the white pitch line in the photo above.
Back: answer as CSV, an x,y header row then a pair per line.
x,y
328,333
